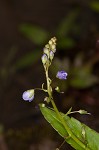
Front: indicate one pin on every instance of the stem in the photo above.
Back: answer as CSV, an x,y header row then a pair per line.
x,y
70,133
41,89
67,128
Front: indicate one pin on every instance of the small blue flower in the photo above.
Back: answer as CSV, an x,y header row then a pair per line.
x,y
28,95
62,75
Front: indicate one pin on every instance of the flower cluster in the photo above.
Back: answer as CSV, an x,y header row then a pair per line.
x,y
48,55
48,52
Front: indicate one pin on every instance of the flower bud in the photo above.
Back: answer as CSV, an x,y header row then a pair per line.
x,y
57,89
53,39
83,112
28,95
46,51
51,55
54,50
46,99
43,105
47,45
53,46
44,58
50,42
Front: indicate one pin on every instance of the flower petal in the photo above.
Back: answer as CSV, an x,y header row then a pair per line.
x,y
62,75
28,95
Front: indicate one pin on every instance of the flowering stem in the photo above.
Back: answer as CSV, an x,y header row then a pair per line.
x,y
70,133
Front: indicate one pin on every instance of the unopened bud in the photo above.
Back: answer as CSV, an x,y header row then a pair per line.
x,y
57,89
51,55
54,50
50,42
53,39
46,99
46,51
53,46
44,58
83,112
47,45
43,105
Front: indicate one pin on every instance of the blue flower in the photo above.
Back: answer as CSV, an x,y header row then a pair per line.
x,y
28,95
61,75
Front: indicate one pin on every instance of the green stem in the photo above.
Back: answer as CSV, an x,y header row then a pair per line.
x,y
70,133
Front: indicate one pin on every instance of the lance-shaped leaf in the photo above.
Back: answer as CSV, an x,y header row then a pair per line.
x,y
88,138
34,33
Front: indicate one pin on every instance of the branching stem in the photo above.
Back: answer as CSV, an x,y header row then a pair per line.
x,y
70,133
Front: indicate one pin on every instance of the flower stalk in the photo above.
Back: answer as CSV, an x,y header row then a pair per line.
x,y
70,133
48,55
49,90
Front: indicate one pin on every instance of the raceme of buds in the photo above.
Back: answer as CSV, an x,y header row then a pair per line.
x,y
28,95
48,52
61,75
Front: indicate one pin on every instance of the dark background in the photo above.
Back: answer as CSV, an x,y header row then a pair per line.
x,y
25,27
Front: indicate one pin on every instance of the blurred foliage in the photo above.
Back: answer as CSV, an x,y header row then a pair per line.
x,y
34,33
64,29
1,129
9,68
94,5
67,24
66,42
28,59
39,36
80,74
67,33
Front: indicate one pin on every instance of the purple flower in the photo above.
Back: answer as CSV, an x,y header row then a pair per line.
x,y
28,95
61,75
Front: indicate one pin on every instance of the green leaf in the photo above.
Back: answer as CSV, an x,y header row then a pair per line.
x,y
94,5
67,24
83,82
28,59
86,135
34,33
66,43
82,77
